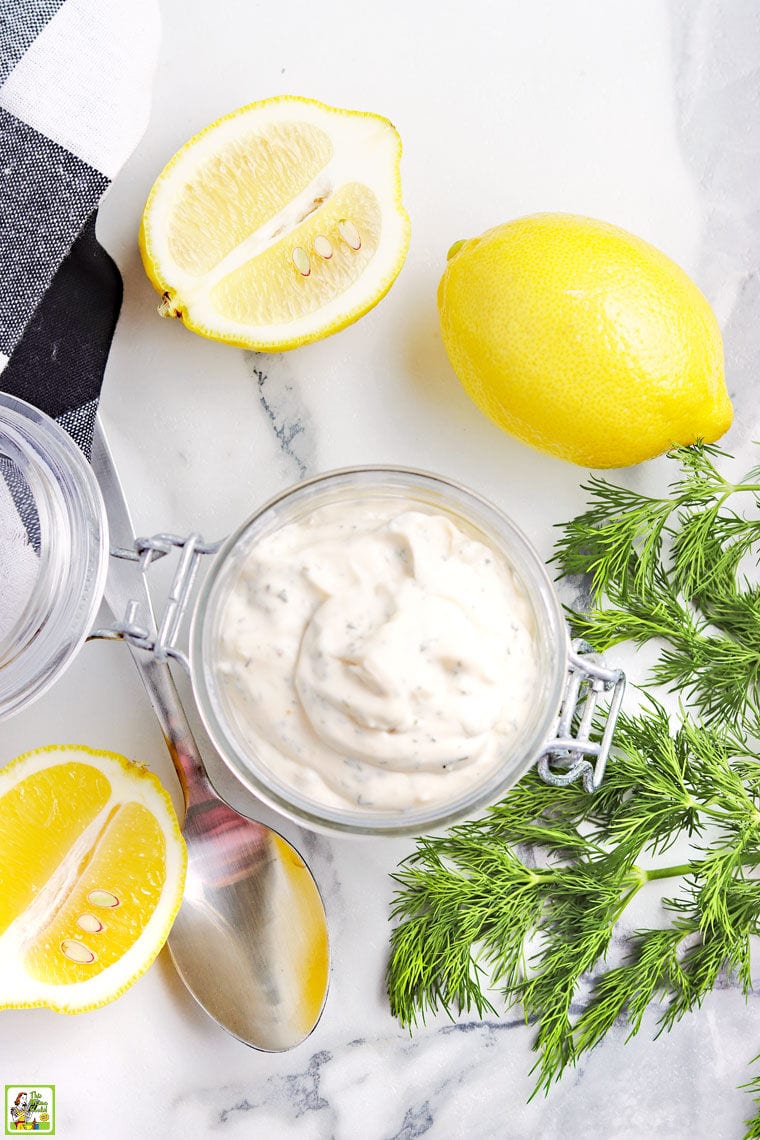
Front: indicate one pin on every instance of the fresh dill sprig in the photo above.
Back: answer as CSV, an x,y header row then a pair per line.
x,y
626,552
472,900
671,569
753,1125
525,902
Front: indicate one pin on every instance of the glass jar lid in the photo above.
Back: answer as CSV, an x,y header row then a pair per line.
x,y
53,552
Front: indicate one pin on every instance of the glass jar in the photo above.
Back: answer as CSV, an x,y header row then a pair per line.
x,y
470,513
53,552
53,564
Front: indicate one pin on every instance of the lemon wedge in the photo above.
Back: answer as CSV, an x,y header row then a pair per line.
x,y
278,224
92,870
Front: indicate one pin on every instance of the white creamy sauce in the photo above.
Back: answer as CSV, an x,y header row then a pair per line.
x,y
374,655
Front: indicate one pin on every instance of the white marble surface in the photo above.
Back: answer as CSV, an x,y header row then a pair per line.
x,y
645,114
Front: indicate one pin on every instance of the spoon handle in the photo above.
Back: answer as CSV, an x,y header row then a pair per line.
x,y
126,583
159,684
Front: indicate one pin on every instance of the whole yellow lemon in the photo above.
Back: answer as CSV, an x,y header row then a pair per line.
x,y
583,340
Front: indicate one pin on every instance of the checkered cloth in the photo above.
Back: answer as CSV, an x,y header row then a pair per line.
x,y
75,89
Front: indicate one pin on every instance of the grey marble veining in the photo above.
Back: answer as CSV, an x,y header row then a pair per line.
x,y
716,48
470,1079
287,415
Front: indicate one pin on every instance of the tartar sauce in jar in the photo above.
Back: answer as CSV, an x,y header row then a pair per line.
x,y
373,654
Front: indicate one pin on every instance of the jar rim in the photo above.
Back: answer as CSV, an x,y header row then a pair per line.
x,y
70,539
452,498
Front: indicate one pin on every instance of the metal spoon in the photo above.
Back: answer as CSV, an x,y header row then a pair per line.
x,y
250,940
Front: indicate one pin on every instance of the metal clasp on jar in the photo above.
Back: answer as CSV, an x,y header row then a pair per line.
x,y
570,754
135,627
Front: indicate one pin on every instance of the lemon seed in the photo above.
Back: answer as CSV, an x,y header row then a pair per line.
x,y
349,233
102,898
89,923
76,951
301,261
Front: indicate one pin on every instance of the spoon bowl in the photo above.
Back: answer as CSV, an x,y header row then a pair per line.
x,y
250,940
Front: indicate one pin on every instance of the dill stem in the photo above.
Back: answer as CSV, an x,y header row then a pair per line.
x,y
666,872
682,869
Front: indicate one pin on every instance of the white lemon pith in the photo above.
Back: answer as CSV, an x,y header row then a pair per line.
x,y
278,224
92,871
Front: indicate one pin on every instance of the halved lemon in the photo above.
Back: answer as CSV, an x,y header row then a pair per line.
x,y
92,870
278,224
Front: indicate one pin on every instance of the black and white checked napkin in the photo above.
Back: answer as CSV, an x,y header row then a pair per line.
x,y
75,89
75,92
